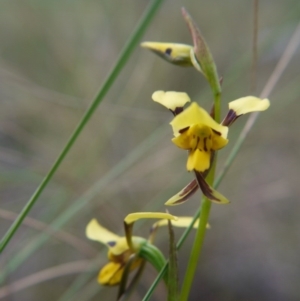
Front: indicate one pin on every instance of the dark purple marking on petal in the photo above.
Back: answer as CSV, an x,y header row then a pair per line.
x,y
230,118
177,110
206,189
189,187
183,130
198,140
188,191
216,132
112,243
204,143
168,51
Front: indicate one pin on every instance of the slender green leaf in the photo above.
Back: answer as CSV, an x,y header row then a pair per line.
x,y
120,63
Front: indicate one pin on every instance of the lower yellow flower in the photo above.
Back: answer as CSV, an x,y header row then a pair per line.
x,y
121,249
118,252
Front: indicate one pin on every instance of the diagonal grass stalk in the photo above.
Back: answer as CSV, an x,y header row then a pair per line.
x,y
120,63
82,201
270,85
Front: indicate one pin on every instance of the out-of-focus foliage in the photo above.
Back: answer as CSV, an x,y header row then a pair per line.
x,y
53,57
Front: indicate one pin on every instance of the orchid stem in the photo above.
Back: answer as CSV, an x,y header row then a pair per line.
x,y
217,105
203,216
198,242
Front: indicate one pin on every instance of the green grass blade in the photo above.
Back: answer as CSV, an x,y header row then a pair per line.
x,y
120,63
84,199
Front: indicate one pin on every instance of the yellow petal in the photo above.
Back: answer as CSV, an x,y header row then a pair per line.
x,y
178,54
119,247
171,99
132,217
183,195
111,274
185,141
95,231
248,104
181,222
194,114
198,160
218,142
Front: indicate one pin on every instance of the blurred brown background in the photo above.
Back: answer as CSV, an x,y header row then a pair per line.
x,y
54,55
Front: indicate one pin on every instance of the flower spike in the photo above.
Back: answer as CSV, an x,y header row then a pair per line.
x,y
177,54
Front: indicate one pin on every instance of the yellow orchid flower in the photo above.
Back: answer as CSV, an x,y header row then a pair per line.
x,y
196,131
122,248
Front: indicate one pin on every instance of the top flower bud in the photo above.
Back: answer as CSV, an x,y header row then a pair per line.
x,y
177,54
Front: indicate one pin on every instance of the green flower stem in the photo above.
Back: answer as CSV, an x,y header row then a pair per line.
x,y
198,242
217,104
120,63
206,204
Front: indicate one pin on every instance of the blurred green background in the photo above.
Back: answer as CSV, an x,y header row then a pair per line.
x,y
54,55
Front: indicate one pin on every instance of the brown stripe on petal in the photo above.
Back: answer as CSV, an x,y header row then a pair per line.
x,y
184,198
216,132
192,185
184,194
183,130
177,110
168,51
198,140
206,189
188,191
204,143
230,118
111,243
